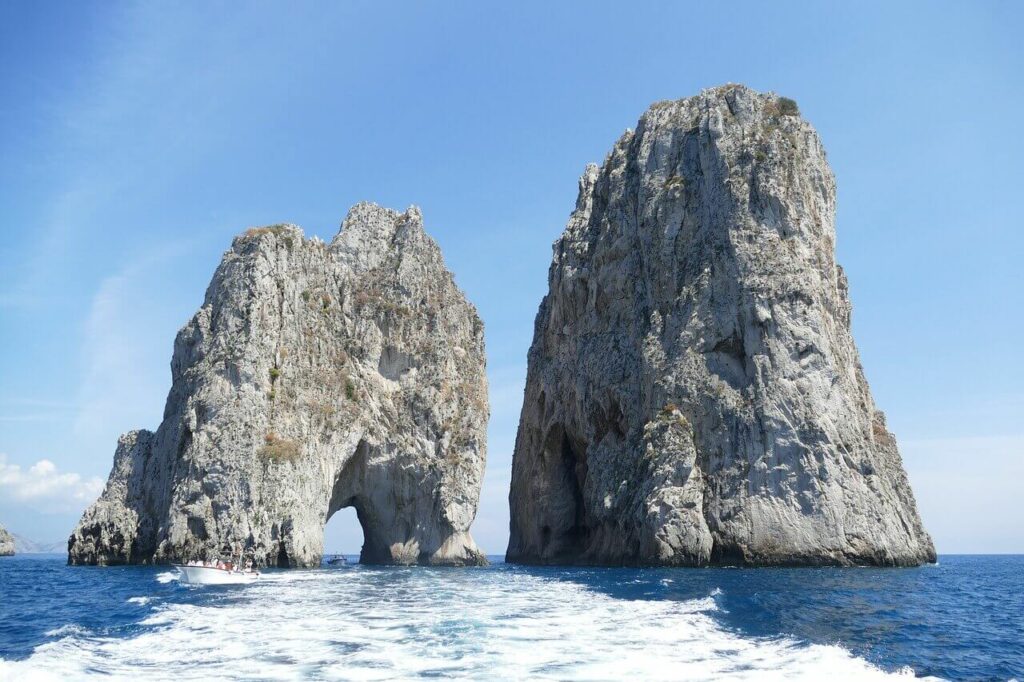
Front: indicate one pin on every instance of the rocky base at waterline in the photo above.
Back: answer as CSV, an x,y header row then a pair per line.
x,y
694,395
6,543
314,377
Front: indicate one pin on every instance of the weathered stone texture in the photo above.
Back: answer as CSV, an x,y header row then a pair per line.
x,y
694,395
314,377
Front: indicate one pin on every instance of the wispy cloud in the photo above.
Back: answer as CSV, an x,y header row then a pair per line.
x,y
144,108
35,417
33,410
112,357
45,488
124,352
9,299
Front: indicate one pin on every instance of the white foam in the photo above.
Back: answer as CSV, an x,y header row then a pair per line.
x,y
366,624
66,630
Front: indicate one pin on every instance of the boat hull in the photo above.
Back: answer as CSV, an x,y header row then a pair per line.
x,y
204,575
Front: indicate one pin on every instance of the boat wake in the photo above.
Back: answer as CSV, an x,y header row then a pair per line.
x,y
389,624
168,577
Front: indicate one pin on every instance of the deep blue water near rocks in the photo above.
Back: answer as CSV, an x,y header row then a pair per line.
x,y
961,619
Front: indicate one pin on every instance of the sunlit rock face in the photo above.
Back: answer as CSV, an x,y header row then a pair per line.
x,y
314,377
694,395
6,543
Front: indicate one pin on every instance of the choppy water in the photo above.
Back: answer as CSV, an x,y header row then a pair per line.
x,y
962,619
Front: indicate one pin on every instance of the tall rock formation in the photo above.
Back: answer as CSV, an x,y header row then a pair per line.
x,y
6,543
315,377
694,395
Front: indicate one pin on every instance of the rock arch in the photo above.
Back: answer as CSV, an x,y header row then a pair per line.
x,y
315,377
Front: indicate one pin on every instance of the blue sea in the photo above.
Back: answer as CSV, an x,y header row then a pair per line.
x,y
962,619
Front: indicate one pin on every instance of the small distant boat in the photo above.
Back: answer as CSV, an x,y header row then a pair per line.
x,y
196,573
335,560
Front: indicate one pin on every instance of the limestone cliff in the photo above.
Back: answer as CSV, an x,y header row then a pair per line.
x,y
694,395
6,543
314,377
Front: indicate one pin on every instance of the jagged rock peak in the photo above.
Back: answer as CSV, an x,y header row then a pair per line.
x,y
314,377
694,395
6,543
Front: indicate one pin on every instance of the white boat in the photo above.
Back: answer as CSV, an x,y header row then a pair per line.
x,y
335,560
197,574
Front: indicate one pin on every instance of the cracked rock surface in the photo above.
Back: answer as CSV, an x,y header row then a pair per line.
x,y
694,395
314,377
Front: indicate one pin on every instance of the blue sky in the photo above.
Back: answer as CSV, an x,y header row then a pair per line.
x,y
136,139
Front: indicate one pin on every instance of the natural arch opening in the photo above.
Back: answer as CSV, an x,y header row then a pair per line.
x,y
343,534
357,490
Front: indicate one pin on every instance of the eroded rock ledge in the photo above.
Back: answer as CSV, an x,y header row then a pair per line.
x,y
694,395
315,377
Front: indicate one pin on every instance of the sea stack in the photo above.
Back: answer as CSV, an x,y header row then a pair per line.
x,y
6,543
314,377
694,395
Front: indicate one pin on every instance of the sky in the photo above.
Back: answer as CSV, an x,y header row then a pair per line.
x,y
137,139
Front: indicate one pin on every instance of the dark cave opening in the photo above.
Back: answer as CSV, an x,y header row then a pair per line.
x,y
574,477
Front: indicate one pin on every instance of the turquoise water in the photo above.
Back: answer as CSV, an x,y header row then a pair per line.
x,y
961,619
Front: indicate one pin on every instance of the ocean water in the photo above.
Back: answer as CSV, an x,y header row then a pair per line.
x,y
961,619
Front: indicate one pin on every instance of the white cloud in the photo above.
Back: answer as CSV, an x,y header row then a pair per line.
x,y
44,487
